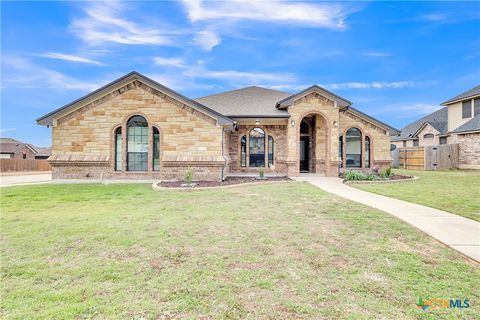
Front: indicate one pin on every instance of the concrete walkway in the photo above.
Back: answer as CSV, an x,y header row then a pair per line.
x,y
25,179
457,232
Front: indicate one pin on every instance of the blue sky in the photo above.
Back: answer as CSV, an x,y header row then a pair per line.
x,y
394,61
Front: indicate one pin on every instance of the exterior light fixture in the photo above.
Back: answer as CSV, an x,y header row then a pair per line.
x,y
335,124
257,122
292,123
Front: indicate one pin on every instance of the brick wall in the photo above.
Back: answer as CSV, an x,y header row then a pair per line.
x,y
469,150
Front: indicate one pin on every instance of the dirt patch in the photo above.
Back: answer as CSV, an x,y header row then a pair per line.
x,y
227,182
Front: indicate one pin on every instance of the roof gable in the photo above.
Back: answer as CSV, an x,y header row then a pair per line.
x,y
437,119
288,101
51,117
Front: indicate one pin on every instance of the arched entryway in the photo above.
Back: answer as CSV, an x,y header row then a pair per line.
x,y
312,151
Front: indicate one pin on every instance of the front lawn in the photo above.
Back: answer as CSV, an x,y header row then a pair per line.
x,y
283,251
455,191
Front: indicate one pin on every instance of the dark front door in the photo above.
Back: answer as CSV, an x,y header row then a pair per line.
x,y
304,148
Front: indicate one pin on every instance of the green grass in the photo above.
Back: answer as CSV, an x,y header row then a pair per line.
x,y
278,251
455,191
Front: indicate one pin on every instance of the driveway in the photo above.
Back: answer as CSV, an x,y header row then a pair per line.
x,y
8,180
457,232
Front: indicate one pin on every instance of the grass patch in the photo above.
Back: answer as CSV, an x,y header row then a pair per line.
x,y
255,252
455,191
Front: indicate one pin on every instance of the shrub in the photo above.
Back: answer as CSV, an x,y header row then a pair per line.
x,y
359,176
389,171
386,173
261,173
189,176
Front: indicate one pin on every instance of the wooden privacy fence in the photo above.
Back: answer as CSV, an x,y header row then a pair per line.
x,y
7,165
438,157
441,157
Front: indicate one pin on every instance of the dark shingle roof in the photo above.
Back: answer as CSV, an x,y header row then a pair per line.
x,y
249,102
471,125
475,91
437,119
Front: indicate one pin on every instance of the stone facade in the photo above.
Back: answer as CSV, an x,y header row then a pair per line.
x,y
428,136
188,137
469,150
84,146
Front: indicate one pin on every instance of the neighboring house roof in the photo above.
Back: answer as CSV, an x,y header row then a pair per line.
x,y
471,125
437,119
247,102
475,91
128,78
288,101
13,147
43,152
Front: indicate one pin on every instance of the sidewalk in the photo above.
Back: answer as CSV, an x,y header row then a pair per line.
x,y
23,179
457,232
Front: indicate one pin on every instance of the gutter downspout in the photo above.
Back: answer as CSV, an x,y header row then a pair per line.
x,y
223,154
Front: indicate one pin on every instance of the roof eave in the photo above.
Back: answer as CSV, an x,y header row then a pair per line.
x,y
49,117
449,102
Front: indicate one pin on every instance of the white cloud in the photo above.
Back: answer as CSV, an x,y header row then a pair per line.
x,y
7,130
206,40
323,15
23,73
376,54
434,17
69,57
370,85
103,23
238,76
170,62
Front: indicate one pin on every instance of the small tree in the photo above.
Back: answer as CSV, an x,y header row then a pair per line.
x,y
189,176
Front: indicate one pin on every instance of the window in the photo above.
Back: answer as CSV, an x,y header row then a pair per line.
x,y
367,152
443,140
466,109
24,156
270,150
340,148
137,144
404,143
257,147
353,143
156,149
118,149
243,152
428,136
476,107
415,143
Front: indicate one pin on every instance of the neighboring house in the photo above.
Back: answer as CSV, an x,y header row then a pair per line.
x,y
136,128
13,149
457,122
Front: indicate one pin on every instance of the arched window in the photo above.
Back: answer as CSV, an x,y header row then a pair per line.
x,y
257,147
353,147
428,136
270,150
243,152
367,152
118,149
137,144
340,148
156,149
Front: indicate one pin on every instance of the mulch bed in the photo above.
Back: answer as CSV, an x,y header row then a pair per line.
x,y
228,181
399,177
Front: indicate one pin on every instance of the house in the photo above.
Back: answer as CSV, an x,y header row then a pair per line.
x,y
457,122
13,149
136,128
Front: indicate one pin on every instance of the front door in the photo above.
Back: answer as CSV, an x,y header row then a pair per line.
x,y
304,148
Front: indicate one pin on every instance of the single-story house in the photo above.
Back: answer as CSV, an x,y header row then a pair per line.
x,y
136,128
13,149
457,122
